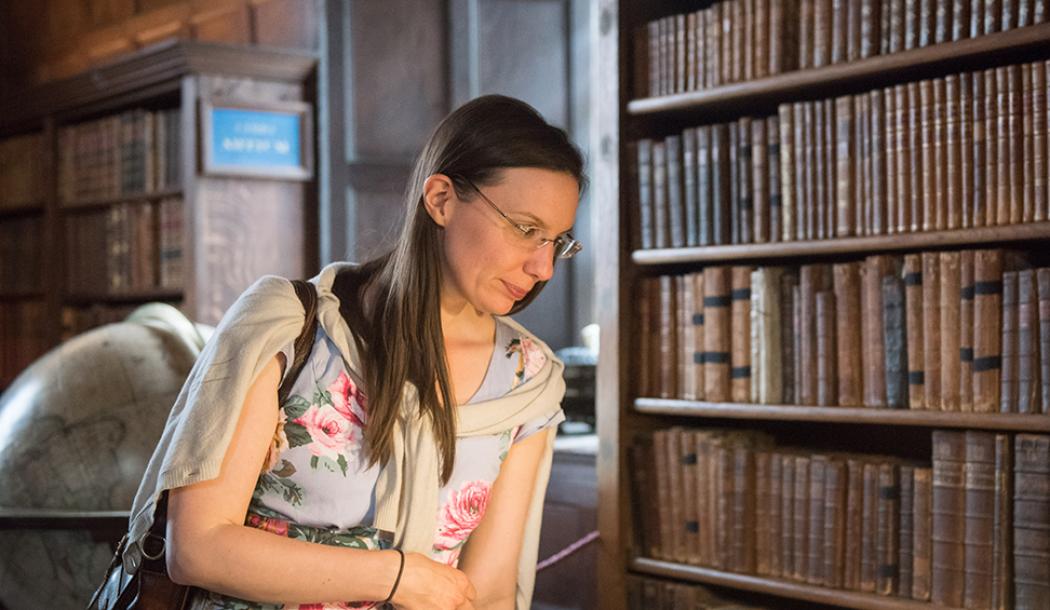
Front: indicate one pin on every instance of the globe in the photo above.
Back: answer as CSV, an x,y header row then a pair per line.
x,y
77,429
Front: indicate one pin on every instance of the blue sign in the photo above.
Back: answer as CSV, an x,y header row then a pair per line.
x,y
255,139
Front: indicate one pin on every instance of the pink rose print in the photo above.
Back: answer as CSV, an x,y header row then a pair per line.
x,y
533,355
328,430
345,397
274,526
462,514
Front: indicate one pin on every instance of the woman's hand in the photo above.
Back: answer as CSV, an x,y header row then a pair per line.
x,y
428,584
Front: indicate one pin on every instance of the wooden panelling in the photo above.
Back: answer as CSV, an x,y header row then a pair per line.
x,y
231,25
377,217
290,24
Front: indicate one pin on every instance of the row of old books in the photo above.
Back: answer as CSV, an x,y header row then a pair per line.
x,y
740,40
23,336
77,319
648,593
970,531
21,251
22,171
967,150
126,248
127,154
951,331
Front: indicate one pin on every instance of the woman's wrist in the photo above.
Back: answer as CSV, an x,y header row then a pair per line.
x,y
397,579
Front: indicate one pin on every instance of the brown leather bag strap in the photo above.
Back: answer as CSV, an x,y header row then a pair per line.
x,y
304,343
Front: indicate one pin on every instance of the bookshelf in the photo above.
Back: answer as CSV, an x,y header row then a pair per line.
x,y
623,117
114,208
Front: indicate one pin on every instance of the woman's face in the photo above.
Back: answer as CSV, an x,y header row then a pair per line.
x,y
488,264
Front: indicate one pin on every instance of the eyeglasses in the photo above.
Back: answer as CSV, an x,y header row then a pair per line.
x,y
565,246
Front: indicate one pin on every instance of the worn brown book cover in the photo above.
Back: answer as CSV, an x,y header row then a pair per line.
x,y
991,147
775,194
787,171
813,279
931,318
1004,134
906,531
798,169
774,529
839,30
1028,146
987,350
716,334
887,542
810,205
1008,374
706,499
939,205
1028,394
949,517
872,335
929,159
1016,143
690,205
663,491
1031,521
897,27
966,297
744,168
692,69
917,176
760,38
714,45
895,342
953,152
942,31
827,162
788,287
763,511
1043,280
814,571
787,515
848,333
979,200
923,534
1002,528
800,528
903,157
965,126
845,214
979,486
854,523
960,19
797,325
869,560
870,30
949,326
661,208
696,357
690,532
914,327
744,499
676,224
736,216
760,210
706,196
911,24
835,515
889,107
822,32
806,33
740,333
1040,154
686,341
878,163
766,318
827,392
675,475
680,65
668,348
722,452
643,167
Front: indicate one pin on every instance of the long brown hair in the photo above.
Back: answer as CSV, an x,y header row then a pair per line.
x,y
400,337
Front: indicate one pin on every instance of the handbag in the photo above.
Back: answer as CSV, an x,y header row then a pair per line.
x,y
149,587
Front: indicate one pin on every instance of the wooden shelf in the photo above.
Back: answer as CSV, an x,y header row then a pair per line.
x,y
21,209
845,415
802,84
781,588
92,204
142,296
844,245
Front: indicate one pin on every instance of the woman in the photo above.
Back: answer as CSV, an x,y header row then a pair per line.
x,y
363,487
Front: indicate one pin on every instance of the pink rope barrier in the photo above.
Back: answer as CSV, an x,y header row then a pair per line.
x,y
569,550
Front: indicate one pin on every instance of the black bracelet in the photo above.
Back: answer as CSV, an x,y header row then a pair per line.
x,y
397,581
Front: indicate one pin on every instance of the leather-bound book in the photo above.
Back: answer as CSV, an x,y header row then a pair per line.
x,y
950,305
940,154
744,498
689,187
705,195
991,147
966,297
1015,143
911,24
916,182
680,63
813,279
835,515
689,51
870,33
1027,160
809,143
755,327
728,50
979,485
686,389
716,334
978,208
1043,280
663,490
914,327
869,559
878,160
646,228
896,31
667,329
787,171
722,454
759,39
949,517
923,534
744,192
763,502
814,570
953,151
775,195
714,44
800,529
774,529
706,500
895,342
987,339
788,362
827,392
738,40
931,319
1008,378
960,19
854,523
927,22
1040,154
826,137
903,158
654,60
759,182
874,356
1004,134
767,318
887,542
942,31
675,203
734,184
845,151
720,183
1028,399
839,28
675,476
976,18
964,127
661,209
696,358
1031,521
798,169
889,105
929,160
1002,525
778,25
907,530
806,33
740,333
787,515
690,532
822,33
847,333
797,326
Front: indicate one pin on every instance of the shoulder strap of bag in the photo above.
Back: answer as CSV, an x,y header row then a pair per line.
x,y
304,343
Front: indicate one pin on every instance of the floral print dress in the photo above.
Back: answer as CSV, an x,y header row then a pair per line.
x,y
316,484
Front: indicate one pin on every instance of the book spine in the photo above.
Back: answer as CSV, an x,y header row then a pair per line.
x,y
1008,379
668,346
813,280
822,33
661,209
798,112
890,153
760,210
949,514
744,211
917,174
845,215
690,511
684,357
966,299
979,489
827,394
740,333
906,531
814,572
988,290
1015,143
896,347
676,549
776,198
743,533
940,154
869,559
1002,530
931,318
913,292
943,25
771,379
806,34
923,534
663,491
953,152
756,325
1027,116
800,528
690,187
854,524
696,358
674,192
705,196
788,287
904,159
835,487
950,305
927,22
878,116
888,531
1028,400
875,268
774,531
763,511
716,334
964,128
1043,289
1003,149
1031,521
848,333
978,209
721,162
929,160
787,515
787,171
1040,153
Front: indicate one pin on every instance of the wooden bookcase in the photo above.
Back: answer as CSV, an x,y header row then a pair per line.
x,y
620,117
233,229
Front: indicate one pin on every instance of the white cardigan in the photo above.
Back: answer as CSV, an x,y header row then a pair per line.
x,y
265,319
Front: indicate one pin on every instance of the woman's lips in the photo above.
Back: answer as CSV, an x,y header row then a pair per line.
x,y
514,291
